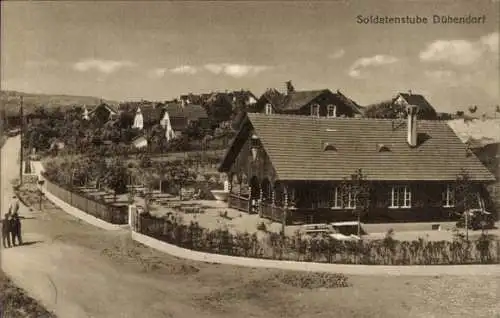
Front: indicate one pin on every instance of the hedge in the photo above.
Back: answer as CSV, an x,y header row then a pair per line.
x,y
325,249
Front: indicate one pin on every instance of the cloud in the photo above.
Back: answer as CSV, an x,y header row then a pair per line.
x,y
338,54
157,72
440,75
374,61
460,52
184,69
102,66
490,41
236,70
41,64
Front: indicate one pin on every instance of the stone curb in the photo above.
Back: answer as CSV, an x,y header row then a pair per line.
x,y
369,270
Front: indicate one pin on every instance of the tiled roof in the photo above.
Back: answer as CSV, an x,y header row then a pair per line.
x,y
151,114
418,100
111,108
296,149
274,97
190,111
298,99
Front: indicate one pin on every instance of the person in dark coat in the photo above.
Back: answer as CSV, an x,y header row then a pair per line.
x,y
6,230
15,229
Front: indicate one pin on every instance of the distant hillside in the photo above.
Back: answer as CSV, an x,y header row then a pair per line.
x,y
10,101
487,131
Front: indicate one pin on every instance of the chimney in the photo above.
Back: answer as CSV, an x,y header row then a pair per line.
x,y
409,92
412,111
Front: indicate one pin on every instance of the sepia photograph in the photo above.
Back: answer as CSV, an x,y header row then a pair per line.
x,y
267,159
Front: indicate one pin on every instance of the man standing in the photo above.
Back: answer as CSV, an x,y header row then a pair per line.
x,y
14,222
15,229
14,205
6,230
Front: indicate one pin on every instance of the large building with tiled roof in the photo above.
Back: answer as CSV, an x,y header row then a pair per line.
x,y
301,163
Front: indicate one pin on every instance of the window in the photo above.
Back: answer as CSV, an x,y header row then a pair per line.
x,y
341,200
336,198
315,110
351,200
400,197
269,109
332,111
449,197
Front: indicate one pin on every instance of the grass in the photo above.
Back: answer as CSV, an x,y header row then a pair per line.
x,y
14,303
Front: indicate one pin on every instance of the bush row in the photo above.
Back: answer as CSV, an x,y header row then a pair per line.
x,y
324,249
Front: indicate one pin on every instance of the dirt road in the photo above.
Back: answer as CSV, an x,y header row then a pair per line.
x,y
78,281
78,270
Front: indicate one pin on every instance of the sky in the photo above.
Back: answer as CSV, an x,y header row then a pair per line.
x,y
159,50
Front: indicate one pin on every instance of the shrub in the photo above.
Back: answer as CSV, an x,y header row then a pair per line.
x,y
312,280
387,251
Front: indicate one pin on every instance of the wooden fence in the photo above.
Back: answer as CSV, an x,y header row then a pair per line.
x,y
271,212
239,203
105,212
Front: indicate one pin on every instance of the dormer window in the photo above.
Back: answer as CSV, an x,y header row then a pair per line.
x,y
383,148
315,110
332,111
329,147
269,109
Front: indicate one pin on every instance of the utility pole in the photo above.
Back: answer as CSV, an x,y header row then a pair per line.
x,y
21,154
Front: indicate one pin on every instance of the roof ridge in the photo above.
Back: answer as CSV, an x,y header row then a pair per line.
x,y
335,118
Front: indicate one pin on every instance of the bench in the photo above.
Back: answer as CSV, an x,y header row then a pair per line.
x,y
317,228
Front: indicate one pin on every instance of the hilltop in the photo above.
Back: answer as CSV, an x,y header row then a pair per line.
x,y
482,131
10,101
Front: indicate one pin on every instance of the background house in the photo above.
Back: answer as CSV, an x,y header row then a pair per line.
x,y
302,167
396,107
102,113
319,103
183,116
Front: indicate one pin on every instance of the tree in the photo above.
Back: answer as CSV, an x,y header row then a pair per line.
x,y
497,110
179,174
357,188
464,197
393,110
117,178
219,109
473,109
386,109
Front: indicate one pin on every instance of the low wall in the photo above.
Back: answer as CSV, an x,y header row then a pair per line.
x,y
390,270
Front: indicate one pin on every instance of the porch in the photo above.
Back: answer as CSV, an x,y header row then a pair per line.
x,y
294,203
